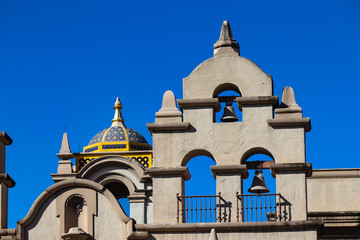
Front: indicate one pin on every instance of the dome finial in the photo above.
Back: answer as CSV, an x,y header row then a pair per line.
x,y
118,119
226,43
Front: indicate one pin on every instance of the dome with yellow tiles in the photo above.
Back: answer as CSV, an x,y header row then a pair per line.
x,y
117,137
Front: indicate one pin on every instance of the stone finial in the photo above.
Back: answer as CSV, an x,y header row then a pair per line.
x,y
288,107
226,43
213,235
288,97
65,152
118,119
168,112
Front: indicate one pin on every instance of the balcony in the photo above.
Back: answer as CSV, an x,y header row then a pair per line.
x,y
249,208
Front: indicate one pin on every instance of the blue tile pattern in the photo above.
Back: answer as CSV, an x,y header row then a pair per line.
x,y
92,149
115,134
144,161
97,138
134,136
84,161
114,146
132,146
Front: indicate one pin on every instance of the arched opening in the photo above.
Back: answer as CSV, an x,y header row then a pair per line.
x,y
199,203
230,112
121,193
259,162
259,199
202,181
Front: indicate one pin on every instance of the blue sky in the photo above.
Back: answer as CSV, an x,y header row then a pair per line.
x,y
64,62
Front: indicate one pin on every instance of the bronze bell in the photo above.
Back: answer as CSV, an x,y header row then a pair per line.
x,y
258,184
229,114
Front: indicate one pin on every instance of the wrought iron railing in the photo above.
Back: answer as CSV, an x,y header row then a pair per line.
x,y
249,208
261,207
207,208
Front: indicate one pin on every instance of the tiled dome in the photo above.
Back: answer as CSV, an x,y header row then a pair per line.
x,y
118,133
118,137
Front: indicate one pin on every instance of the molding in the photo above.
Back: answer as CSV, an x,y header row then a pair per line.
x,y
291,122
111,153
200,102
137,198
257,100
7,180
5,138
168,126
57,177
65,156
225,169
334,214
182,171
8,232
131,234
335,173
284,110
290,167
230,226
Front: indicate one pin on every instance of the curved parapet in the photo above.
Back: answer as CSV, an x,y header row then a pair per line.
x,y
72,203
227,70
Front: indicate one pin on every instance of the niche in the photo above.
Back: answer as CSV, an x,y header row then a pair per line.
x,y
76,212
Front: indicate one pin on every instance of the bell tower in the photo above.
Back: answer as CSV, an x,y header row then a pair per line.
x,y
266,126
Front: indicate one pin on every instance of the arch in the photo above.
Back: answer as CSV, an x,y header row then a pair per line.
x,y
225,87
253,151
117,178
114,162
196,153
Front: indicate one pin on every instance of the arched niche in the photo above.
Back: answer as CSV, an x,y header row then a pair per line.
x,y
76,212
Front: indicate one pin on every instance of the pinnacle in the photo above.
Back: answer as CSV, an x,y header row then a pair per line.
x,y
226,41
118,119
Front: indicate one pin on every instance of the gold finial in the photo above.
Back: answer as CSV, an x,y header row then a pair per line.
x,y
118,119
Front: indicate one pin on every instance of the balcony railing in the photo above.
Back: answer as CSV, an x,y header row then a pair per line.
x,y
261,207
249,208
205,208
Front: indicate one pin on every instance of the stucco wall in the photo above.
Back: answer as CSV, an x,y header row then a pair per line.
x,y
107,224
334,190
45,225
